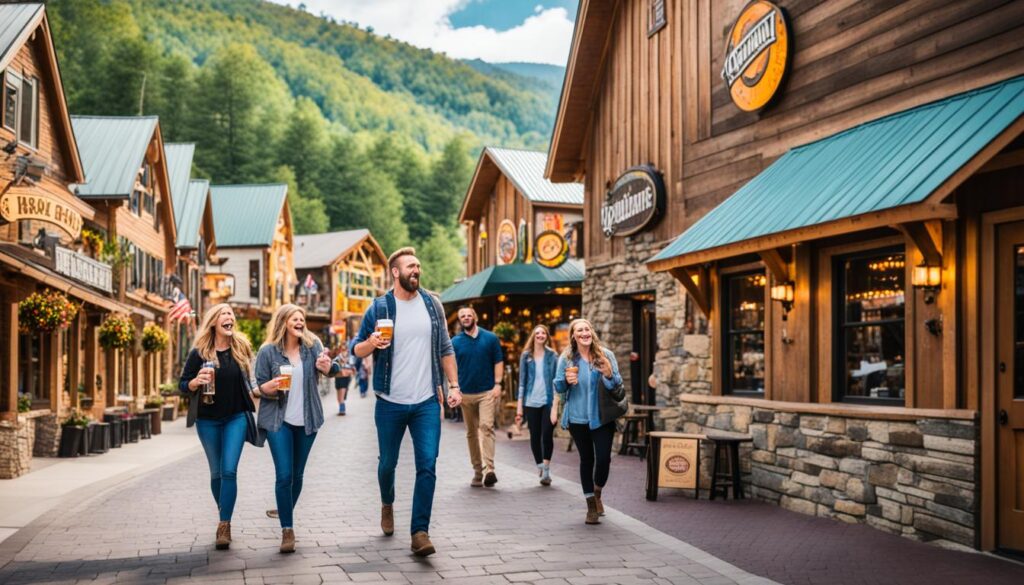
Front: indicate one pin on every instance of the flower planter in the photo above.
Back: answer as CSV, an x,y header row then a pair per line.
x,y
155,417
170,412
71,439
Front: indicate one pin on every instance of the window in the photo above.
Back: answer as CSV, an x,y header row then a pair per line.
x,y
254,279
743,327
870,327
21,107
11,89
655,16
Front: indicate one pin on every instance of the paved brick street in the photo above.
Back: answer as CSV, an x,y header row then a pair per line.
x,y
159,528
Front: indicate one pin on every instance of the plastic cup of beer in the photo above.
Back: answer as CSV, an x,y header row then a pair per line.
x,y
574,370
386,328
285,375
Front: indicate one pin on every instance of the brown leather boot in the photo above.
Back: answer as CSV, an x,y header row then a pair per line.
x,y
223,535
597,496
421,545
592,516
287,540
387,519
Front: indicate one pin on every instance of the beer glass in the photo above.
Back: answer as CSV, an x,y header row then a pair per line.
x,y
209,390
574,370
285,374
386,327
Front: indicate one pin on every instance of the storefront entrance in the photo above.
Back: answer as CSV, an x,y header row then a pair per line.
x,y
645,345
1010,385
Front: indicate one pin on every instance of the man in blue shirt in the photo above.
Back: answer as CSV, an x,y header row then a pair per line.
x,y
481,366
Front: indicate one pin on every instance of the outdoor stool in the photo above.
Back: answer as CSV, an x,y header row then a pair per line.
x,y
727,473
145,426
100,439
634,432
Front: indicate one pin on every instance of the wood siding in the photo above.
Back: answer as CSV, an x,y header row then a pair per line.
x,y
505,203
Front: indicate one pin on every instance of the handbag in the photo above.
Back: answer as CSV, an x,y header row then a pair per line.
x,y
612,404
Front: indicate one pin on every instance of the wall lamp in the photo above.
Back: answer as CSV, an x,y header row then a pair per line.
x,y
928,278
783,293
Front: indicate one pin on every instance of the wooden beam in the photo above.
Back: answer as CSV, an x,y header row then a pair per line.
x,y
776,265
1014,158
698,291
922,237
9,355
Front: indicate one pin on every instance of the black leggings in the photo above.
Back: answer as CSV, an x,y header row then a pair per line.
x,y
538,419
595,449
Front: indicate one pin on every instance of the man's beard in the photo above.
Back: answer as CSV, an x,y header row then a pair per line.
x,y
407,284
469,328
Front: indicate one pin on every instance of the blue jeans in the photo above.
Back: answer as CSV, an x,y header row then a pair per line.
x,y
222,441
289,446
424,423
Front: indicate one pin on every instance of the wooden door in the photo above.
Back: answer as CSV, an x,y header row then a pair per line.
x,y
1010,385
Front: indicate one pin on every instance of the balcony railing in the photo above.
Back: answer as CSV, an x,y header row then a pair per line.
x,y
84,269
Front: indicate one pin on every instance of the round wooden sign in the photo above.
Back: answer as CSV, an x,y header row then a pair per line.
x,y
507,248
550,250
757,55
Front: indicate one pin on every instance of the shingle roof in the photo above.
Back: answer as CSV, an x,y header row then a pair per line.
x,y
14,20
246,215
890,162
188,212
112,150
316,250
179,169
525,168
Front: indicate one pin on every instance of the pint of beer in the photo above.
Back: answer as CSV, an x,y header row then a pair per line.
x,y
574,370
386,327
285,375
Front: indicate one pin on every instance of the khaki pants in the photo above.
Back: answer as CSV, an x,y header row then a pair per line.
x,y
478,412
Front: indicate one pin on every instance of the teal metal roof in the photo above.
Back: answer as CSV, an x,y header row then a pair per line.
x,y
890,162
525,168
112,151
179,169
515,279
246,215
188,212
15,20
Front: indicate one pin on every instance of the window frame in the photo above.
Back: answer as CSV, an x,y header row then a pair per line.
x,y
727,333
839,325
33,82
8,77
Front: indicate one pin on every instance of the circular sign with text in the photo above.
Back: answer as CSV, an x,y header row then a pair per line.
x,y
635,202
756,56
550,250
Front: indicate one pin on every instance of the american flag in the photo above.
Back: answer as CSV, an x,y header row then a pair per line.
x,y
181,310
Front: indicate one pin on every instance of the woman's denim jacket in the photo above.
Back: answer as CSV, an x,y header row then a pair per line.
x,y
597,382
528,370
272,408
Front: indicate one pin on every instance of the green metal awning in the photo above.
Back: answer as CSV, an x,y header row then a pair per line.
x,y
891,164
510,279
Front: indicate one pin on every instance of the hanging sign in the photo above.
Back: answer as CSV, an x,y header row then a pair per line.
x,y
506,242
15,206
678,463
757,55
635,201
524,242
550,250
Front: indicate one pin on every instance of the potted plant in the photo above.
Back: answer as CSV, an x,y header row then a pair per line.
x,y
505,331
117,332
154,338
74,440
46,311
92,243
24,402
170,394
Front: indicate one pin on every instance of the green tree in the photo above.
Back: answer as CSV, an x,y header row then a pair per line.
x,y
309,216
449,178
406,164
169,94
442,258
304,145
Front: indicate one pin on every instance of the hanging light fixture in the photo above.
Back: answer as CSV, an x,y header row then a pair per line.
x,y
929,279
783,293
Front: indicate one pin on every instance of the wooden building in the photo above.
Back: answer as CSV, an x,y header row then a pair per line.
x,y
346,271
842,205
127,180
524,257
254,232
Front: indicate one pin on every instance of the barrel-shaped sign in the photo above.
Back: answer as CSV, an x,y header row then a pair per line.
x,y
635,202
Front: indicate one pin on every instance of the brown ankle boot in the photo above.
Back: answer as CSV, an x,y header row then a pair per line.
x,y
421,545
592,516
600,504
387,519
287,540
223,535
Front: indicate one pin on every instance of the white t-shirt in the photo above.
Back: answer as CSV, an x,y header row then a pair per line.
x,y
293,412
411,377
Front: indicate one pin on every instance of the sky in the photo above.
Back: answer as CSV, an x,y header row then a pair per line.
x,y
497,31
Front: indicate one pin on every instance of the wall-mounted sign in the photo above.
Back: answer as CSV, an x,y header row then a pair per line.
x,y
757,55
678,463
550,250
506,241
15,206
635,201
83,269
524,241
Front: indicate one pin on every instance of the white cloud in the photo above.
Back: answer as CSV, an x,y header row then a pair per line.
x,y
543,37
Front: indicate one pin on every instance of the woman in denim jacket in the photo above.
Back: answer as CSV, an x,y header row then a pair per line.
x,y
536,391
290,417
585,369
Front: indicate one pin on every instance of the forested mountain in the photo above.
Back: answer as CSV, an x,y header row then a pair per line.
x,y
547,78
369,131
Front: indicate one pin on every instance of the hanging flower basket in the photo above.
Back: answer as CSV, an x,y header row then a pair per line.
x,y
117,332
506,331
92,242
154,338
46,311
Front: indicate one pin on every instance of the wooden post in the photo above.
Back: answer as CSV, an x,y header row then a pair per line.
x,y
74,373
9,355
112,380
52,378
91,370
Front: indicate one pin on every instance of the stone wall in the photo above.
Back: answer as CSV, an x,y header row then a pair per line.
x,y
916,478
15,447
47,436
683,360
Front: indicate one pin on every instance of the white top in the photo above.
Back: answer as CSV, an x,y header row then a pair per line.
x,y
537,396
293,411
411,376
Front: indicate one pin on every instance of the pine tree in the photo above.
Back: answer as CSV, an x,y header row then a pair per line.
x,y
309,215
441,257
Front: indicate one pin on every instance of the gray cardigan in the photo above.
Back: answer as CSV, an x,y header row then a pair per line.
x,y
272,408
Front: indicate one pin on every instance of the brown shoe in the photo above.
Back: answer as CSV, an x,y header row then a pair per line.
x,y
387,519
287,540
478,480
223,535
490,479
597,496
592,516
421,545
272,514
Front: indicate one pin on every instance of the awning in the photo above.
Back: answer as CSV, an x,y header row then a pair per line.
x,y
515,279
893,170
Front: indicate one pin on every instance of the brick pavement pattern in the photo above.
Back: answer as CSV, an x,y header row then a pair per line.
x,y
159,528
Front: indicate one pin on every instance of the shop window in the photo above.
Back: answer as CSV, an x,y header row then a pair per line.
x,y
743,326
30,366
870,334
21,107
